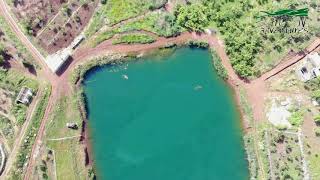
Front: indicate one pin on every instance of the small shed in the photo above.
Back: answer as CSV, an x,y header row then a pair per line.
x,y
24,96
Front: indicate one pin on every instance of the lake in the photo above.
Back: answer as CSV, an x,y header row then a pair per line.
x,y
164,118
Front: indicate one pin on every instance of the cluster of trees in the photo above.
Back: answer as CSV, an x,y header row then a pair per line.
x,y
243,41
193,17
242,32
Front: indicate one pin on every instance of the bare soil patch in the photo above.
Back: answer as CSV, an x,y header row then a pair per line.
x,y
36,12
5,101
68,24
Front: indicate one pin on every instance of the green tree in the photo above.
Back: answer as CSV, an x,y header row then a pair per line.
x,y
193,17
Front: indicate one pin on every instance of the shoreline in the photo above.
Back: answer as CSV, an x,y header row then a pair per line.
x,y
99,62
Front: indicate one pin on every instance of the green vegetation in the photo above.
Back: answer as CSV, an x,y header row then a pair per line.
x,y
252,48
241,37
22,51
14,81
252,159
79,72
285,155
316,95
68,153
26,147
296,118
118,10
246,107
7,129
317,119
2,51
313,161
161,23
19,111
103,37
221,71
243,33
198,44
193,17
317,131
115,11
136,38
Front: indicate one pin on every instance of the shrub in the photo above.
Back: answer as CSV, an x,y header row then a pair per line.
x,y
19,111
317,119
317,131
221,71
198,44
296,118
193,17
134,39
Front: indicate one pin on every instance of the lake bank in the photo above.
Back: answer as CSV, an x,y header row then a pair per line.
x,y
201,88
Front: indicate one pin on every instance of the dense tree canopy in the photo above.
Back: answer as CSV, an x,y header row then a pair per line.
x,y
193,17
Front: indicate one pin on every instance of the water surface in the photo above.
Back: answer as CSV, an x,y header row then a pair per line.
x,y
168,118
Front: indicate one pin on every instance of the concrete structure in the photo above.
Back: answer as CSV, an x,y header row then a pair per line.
x,y
314,58
310,67
75,43
56,61
24,96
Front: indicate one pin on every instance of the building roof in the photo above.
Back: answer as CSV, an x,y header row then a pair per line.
x,y
24,95
314,58
56,60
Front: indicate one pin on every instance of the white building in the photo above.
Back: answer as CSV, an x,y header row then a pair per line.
x,y
314,58
56,60
24,96
310,67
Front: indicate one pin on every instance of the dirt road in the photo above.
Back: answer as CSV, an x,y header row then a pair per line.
x,y
256,89
19,139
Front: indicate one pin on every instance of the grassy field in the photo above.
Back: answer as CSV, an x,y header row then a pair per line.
x,y
14,81
69,154
115,11
314,160
159,22
134,38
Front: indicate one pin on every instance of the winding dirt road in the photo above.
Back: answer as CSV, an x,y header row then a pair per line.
x,y
256,89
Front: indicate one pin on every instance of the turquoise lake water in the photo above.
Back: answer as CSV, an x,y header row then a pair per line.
x,y
168,118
